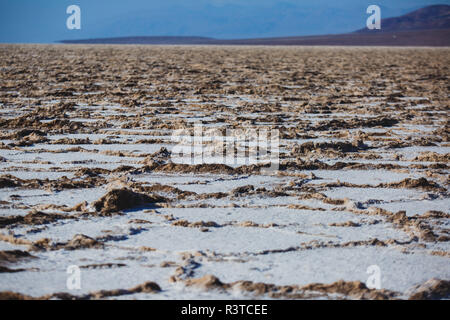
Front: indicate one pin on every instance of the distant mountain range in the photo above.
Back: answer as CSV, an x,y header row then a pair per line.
x,y
160,40
428,18
428,26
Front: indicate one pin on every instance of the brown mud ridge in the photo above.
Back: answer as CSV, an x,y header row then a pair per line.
x,y
204,225
427,227
77,120
122,199
421,183
79,241
432,289
113,202
147,287
33,218
355,123
338,146
330,244
9,181
299,164
13,256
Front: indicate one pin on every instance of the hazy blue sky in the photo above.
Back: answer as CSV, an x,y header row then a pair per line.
x,y
45,20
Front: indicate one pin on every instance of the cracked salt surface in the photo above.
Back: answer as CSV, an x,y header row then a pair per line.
x,y
316,220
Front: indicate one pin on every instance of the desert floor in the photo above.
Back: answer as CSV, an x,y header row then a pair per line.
x,y
88,178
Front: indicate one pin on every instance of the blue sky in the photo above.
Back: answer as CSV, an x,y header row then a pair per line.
x,y
44,21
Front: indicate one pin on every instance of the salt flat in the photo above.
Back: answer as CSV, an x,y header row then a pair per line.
x,y
88,176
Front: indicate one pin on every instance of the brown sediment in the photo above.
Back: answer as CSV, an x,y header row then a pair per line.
x,y
304,207
254,224
206,282
242,190
344,224
320,245
9,295
432,289
14,240
161,155
433,157
338,146
70,141
91,172
198,224
38,218
214,195
200,168
440,253
352,289
34,217
167,264
421,183
408,183
435,214
123,199
13,256
79,241
355,123
139,221
8,270
147,287
419,227
349,290
103,266
148,249
181,194
9,181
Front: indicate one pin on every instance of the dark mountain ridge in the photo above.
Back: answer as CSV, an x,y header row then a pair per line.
x,y
435,17
428,26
